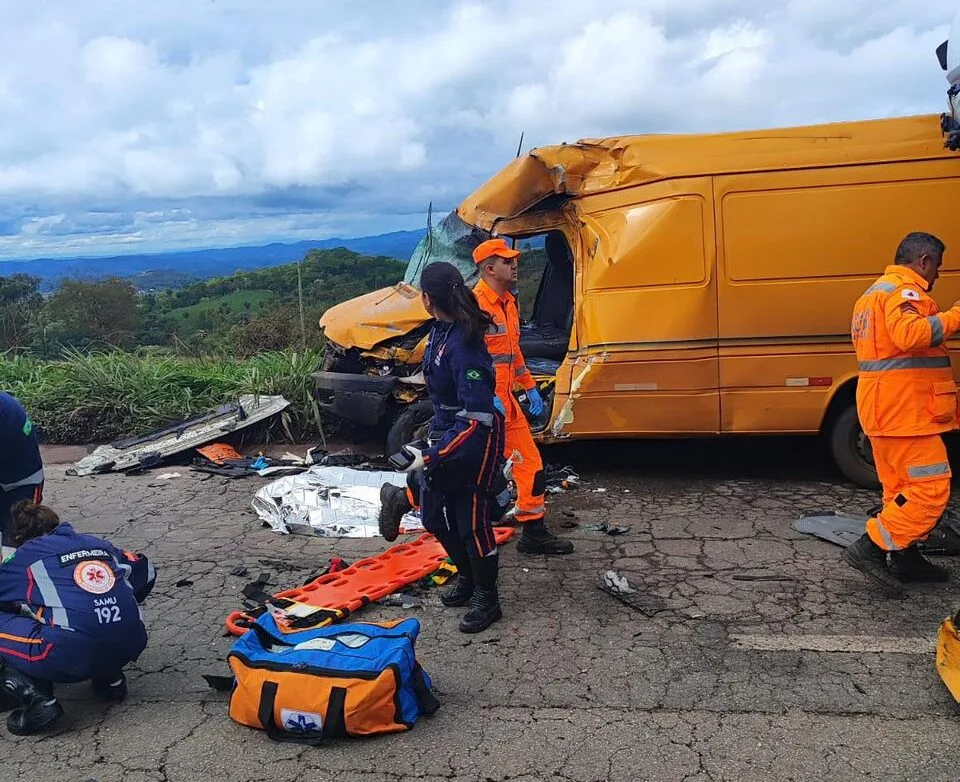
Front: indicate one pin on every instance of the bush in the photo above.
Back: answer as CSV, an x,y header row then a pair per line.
x,y
98,397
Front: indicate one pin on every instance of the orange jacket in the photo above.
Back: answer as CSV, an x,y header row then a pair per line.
x,y
906,385
503,343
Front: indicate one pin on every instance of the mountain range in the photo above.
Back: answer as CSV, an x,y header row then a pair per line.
x,y
176,268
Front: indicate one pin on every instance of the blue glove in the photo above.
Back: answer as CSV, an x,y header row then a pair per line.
x,y
536,401
499,405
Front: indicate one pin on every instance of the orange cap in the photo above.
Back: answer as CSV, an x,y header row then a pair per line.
x,y
492,247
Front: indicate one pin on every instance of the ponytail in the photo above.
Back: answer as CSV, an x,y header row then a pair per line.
x,y
474,321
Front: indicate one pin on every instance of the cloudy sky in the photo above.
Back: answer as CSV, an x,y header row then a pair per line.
x,y
134,126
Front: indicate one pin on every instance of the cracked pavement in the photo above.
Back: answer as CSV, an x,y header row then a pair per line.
x,y
709,683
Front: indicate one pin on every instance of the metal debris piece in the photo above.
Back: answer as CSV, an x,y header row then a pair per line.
x,y
400,600
606,526
180,437
617,585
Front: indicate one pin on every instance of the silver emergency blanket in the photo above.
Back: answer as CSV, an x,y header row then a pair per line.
x,y
337,502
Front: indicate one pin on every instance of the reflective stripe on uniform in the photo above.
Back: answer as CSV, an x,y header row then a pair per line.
x,y
936,331
51,598
497,328
450,407
483,418
880,287
34,479
521,371
927,470
502,358
888,541
916,362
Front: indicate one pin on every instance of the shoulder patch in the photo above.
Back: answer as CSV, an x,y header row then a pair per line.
x,y
909,307
909,293
473,374
27,427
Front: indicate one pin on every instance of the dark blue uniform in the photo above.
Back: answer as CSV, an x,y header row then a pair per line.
x,y
21,468
464,459
69,607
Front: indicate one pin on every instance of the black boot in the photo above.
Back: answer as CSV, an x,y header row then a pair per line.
x,y
911,565
462,591
871,560
111,688
393,505
537,539
38,708
485,603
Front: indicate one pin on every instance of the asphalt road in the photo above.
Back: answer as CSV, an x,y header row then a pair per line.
x,y
801,674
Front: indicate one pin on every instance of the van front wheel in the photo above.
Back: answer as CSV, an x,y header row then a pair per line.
x,y
851,449
410,425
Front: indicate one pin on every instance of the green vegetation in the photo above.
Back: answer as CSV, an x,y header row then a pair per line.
x,y
212,314
103,396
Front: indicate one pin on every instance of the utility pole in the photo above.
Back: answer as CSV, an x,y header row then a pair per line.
x,y
303,330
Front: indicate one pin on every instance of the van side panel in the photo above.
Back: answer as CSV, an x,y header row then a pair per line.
x,y
647,320
795,250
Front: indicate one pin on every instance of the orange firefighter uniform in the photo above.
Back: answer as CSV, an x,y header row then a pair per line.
x,y
503,344
906,397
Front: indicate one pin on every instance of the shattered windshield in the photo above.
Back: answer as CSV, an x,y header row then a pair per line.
x,y
451,240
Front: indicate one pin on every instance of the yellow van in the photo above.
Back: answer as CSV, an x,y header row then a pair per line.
x,y
692,285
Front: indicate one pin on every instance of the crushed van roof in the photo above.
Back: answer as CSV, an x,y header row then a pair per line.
x,y
597,165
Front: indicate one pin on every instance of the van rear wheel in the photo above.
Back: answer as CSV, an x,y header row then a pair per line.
x,y
410,425
851,450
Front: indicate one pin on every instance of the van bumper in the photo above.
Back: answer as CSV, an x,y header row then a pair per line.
x,y
362,399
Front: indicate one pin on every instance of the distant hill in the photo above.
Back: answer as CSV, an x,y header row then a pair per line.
x,y
175,269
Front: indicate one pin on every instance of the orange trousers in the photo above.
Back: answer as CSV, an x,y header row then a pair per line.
x,y
527,470
915,474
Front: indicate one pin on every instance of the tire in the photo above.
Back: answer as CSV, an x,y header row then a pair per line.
x,y
410,425
851,450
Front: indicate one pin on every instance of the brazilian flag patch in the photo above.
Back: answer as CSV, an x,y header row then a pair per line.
x,y
473,374
27,427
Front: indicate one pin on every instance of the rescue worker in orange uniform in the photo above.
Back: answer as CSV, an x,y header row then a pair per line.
x,y
497,263
906,397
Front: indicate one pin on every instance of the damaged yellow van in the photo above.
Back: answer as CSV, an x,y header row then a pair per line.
x,y
693,285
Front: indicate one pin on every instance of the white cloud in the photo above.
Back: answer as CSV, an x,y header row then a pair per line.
x,y
368,110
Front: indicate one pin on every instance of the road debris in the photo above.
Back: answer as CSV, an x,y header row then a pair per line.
x,y
400,600
617,585
560,478
843,529
607,527
150,450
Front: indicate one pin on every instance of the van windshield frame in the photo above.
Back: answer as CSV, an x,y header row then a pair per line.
x,y
451,240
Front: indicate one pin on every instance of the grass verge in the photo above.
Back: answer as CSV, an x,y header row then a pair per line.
x,y
98,397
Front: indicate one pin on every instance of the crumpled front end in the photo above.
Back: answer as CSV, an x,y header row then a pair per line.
x,y
374,348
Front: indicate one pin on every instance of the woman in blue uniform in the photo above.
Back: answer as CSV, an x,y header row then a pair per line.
x,y
69,611
462,463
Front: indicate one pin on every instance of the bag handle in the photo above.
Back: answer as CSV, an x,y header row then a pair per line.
x,y
427,700
334,723
268,698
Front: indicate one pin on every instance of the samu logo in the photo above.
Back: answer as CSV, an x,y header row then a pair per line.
x,y
301,721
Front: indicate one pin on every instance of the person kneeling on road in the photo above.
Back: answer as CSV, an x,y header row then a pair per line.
x,y
461,465
69,611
